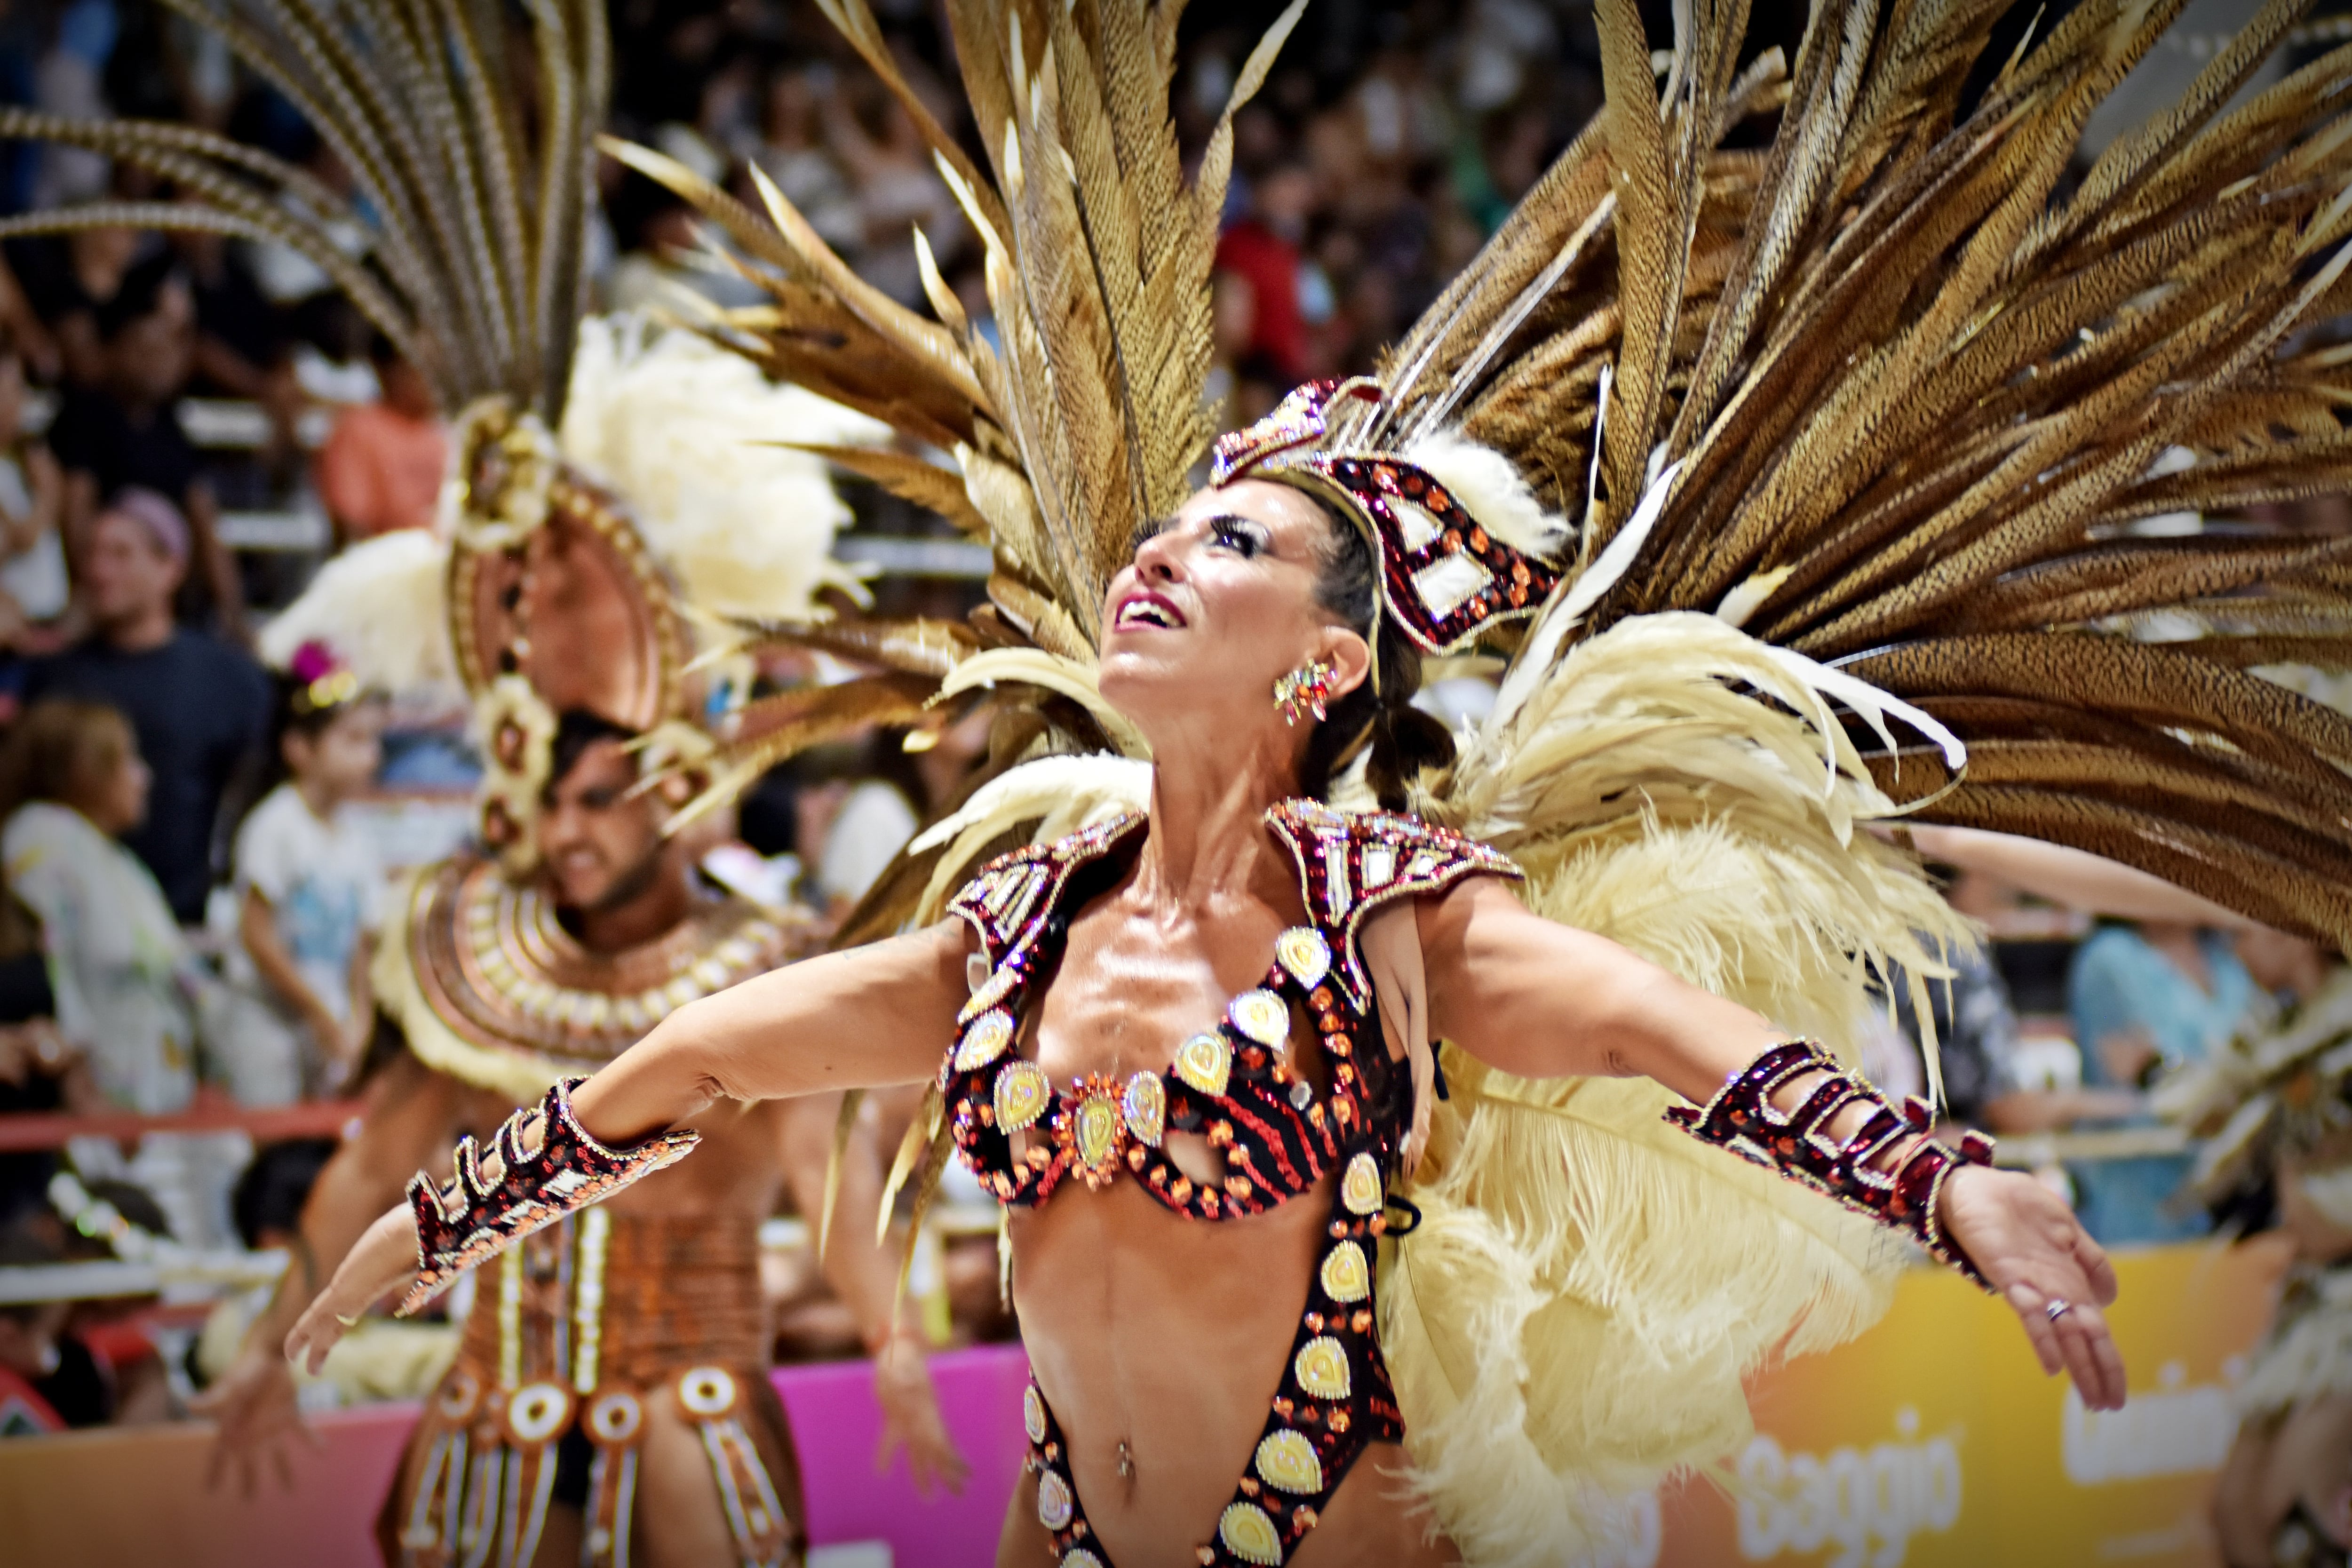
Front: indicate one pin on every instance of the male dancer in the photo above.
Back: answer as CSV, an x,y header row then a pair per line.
x,y
624,1348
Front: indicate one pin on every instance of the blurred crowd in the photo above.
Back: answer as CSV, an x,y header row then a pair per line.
x,y
196,861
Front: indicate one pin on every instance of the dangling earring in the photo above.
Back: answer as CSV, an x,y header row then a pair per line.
x,y
1305,689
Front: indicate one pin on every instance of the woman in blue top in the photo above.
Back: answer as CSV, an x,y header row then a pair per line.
x,y
2143,999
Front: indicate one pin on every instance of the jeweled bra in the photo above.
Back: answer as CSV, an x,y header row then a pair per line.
x,y
1236,1086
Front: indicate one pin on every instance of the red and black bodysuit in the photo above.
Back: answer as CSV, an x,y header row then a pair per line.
x,y
1237,1086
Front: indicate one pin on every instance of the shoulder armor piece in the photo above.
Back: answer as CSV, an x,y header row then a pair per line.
x,y
1354,863
1003,899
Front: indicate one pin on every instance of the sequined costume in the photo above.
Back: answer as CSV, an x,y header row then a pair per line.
x,y
1253,1093
1785,450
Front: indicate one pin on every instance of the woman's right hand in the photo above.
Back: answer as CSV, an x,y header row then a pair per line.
x,y
383,1261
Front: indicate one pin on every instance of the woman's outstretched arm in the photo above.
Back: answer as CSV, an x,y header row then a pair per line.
x,y
865,1018
861,1019
1539,1000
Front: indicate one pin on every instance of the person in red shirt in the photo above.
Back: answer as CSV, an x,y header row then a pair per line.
x,y
1263,249
381,469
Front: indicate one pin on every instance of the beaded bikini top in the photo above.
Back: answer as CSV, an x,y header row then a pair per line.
x,y
1237,1086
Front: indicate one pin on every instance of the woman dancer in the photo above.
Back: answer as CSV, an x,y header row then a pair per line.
x,y
1155,1341
1709,442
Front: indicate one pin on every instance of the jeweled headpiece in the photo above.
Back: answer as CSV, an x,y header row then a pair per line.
x,y
1443,576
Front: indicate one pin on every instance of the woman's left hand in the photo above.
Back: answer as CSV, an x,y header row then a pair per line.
x,y
911,1419
2022,1237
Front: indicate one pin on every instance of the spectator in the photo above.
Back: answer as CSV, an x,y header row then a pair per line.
x,y
128,433
33,587
1976,1035
381,467
897,191
1263,250
67,281
309,886
73,782
2143,1001
198,707
791,154
241,347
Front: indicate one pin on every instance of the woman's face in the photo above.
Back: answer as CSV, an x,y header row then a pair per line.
x,y
115,800
1219,604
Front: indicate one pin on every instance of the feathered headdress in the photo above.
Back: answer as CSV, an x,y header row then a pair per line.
x,y
621,501
1738,453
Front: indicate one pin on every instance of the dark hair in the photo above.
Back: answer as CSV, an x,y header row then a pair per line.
x,y
1405,741
271,1195
140,296
576,729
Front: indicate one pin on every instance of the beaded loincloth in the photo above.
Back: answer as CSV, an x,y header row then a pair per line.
x,y
580,1339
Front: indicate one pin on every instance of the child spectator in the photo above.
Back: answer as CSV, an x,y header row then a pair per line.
x,y
307,885
32,511
381,469
199,707
126,432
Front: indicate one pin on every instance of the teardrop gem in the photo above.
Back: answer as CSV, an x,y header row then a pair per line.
x,y
1054,1507
1346,1276
1021,1093
1098,1134
1205,1061
1033,1412
1263,1016
1321,1368
1304,954
1359,1189
1249,1534
1079,1557
990,992
1145,1105
1287,1462
984,1041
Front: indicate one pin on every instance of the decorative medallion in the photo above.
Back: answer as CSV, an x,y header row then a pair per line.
x,y
1095,1133
1263,1016
1021,1096
1079,1557
458,1396
538,1412
984,1041
1321,1368
1145,1105
708,1393
1249,1534
1304,954
614,1416
1288,1463
1359,1189
1205,1061
1032,1413
1054,1504
1346,1276
990,992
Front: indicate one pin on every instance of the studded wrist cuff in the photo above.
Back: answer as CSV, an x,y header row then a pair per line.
x,y
1742,1118
471,1219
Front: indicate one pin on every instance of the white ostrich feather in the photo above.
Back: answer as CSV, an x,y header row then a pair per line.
x,y
381,607
1492,491
689,435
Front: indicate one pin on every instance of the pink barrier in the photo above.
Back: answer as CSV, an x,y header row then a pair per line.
x,y
137,1495
836,1426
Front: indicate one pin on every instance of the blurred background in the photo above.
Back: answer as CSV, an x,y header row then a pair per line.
x,y
149,1175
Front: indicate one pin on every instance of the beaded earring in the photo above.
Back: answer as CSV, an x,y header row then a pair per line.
x,y
1305,689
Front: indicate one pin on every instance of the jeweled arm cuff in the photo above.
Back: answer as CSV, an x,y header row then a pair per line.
x,y
1904,1197
471,1219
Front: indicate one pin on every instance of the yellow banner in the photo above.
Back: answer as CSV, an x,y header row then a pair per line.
x,y
1934,1439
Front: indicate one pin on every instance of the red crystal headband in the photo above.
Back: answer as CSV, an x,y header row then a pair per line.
x,y
1444,577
